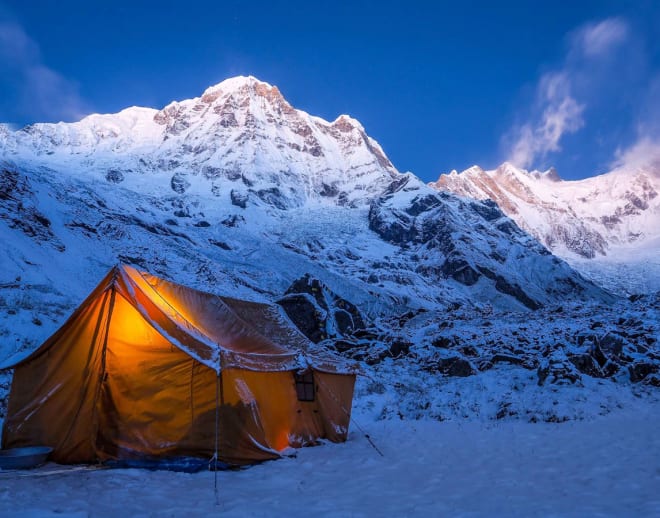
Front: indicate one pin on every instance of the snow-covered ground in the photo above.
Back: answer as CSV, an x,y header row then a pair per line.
x,y
607,466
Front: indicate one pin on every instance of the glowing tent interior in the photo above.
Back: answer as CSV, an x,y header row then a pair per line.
x,y
146,368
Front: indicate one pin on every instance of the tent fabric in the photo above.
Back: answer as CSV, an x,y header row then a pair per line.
x,y
146,368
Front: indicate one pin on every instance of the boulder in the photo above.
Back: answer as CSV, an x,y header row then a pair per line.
x,y
305,315
319,312
641,369
556,368
454,365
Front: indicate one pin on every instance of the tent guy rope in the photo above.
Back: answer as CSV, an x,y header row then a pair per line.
x,y
352,419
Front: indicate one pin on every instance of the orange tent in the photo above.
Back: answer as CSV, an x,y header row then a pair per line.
x,y
146,368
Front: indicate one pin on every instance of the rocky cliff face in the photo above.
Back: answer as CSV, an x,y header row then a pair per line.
x,y
472,243
588,218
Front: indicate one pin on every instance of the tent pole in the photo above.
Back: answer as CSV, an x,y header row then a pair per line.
x,y
217,426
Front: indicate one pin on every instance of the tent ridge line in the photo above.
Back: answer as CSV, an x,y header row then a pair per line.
x,y
176,311
205,339
228,308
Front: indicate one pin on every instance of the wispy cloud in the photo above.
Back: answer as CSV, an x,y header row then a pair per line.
x,y
39,92
561,95
644,153
559,113
596,39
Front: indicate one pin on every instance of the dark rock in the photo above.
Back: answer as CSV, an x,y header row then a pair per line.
x,y
399,348
610,369
343,346
422,204
641,369
652,380
508,227
179,183
304,314
329,191
586,364
612,344
397,230
220,244
556,368
582,338
232,221
114,176
19,209
89,230
451,366
469,350
597,353
457,366
505,410
444,342
366,334
311,286
273,197
405,318
397,185
211,172
344,320
335,315
487,209
506,358
460,270
503,286
239,199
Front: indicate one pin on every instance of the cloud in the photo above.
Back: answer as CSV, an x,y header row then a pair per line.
x,y
562,95
596,39
560,114
34,90
644,153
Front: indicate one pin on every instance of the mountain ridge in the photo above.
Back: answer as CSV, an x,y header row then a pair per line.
x,y
588,218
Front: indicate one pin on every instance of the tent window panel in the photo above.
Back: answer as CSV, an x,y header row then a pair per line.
x,y
304,385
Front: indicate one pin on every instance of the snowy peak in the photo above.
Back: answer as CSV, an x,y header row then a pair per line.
x,y
550,175
596,216
239,136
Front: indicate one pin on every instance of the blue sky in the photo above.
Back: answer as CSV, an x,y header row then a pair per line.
x,y
441,86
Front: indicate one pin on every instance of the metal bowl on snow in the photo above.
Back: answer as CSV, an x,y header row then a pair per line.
x,y
24,458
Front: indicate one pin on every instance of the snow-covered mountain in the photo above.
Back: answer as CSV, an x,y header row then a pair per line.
x,y
603,215
237,192
240,136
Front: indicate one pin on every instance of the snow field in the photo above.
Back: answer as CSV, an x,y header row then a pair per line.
x,y
609,466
